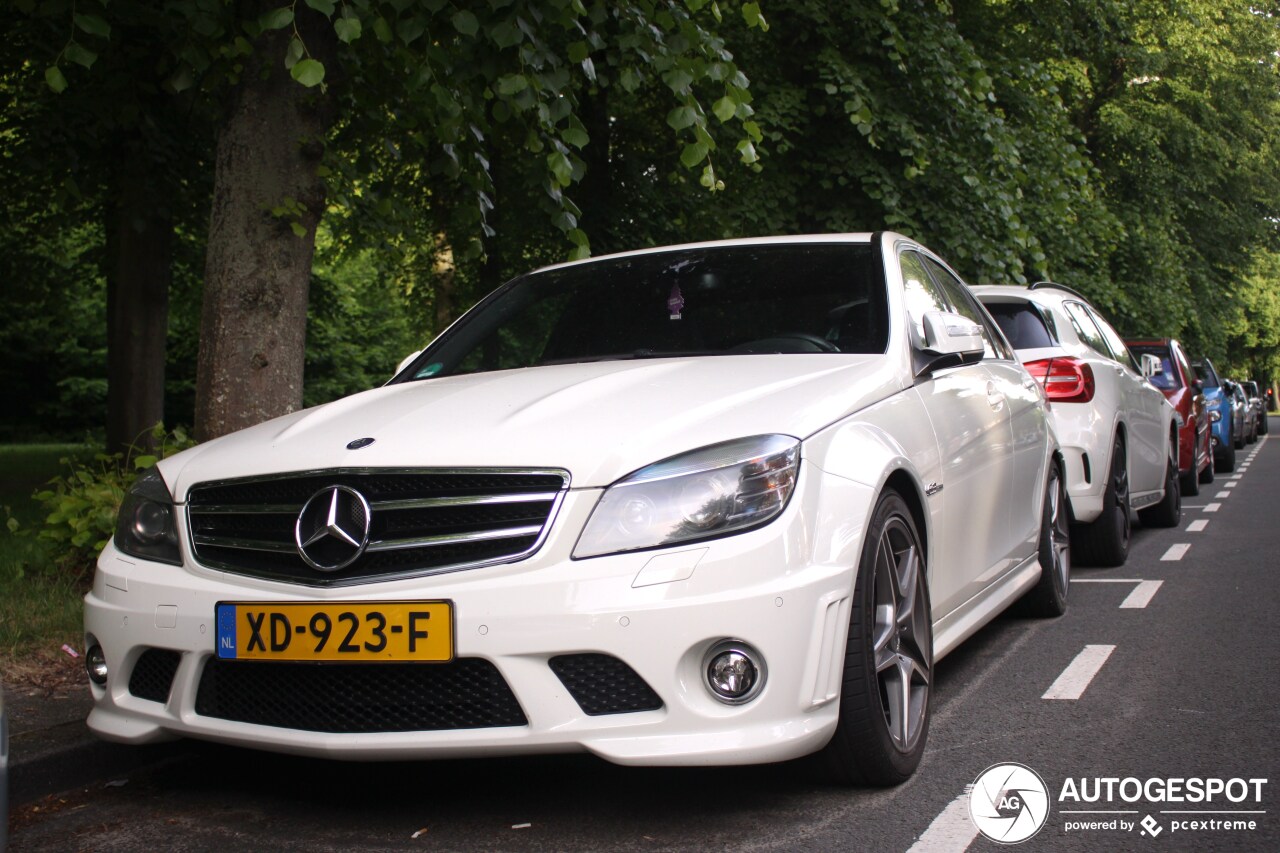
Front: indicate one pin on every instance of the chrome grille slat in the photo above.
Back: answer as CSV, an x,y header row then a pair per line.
x,y
448,539
246,544
248,509
464,500
421,521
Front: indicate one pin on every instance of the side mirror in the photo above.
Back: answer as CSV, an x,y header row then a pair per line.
x,y
1151,366
404,362
950,340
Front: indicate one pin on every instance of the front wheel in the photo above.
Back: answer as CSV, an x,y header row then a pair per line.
x,y
888,664
1049,596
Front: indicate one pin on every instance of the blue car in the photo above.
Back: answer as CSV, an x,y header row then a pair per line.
x,y
1218,402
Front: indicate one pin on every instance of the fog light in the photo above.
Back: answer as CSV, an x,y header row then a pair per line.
x,y
95,662
734,672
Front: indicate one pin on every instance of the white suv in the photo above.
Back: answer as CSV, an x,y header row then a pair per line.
x,y
1119,434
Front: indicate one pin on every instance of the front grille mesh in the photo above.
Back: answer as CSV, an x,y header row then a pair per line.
x,y
153,674
421,522
468,693
602,684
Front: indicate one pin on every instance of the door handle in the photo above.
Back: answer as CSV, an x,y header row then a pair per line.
x,y
994,398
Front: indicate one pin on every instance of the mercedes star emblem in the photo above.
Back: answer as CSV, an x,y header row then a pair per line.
x,y
333,528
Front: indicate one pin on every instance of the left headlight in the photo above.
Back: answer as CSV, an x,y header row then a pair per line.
x,y
146,526
720,489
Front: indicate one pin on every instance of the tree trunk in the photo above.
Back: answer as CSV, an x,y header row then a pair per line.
x,y
257,269
138,276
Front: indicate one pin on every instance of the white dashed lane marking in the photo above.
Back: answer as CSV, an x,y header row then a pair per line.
x,y
1175,552
1079,673
1221,496
1197,525
1231,485
1141,595
1212,507
951,832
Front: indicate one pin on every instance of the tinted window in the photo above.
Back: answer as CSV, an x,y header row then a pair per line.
x,y
1114,342
711,301
1206,374
962,303
1022,324
921,294
1166,380
1085,328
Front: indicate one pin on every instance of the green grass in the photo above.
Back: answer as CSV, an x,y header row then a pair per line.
x,y
40,606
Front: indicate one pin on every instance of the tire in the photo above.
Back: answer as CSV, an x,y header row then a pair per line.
x,y
1105,542
1252,437
1206,476
885,697
1190,482
1167,513
1225,461
1263,425
1048,598
1239,442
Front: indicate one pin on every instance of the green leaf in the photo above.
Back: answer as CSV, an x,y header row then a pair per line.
x,y
506,34
512,84
80,55
348,29
560,167
751,14
53,77
693,154
93,25
308,72
294,53
682,117
578,51
382,30
465,22
324,7
576,137
725,108
748,152
298,229
277,19
146,461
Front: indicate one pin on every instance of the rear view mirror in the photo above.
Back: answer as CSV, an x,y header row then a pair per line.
x,y
950,340
1151,366
405,361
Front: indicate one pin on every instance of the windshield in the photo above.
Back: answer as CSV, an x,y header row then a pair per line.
x,y
729,300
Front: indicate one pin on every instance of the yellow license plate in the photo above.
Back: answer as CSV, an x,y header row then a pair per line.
x,y
335,631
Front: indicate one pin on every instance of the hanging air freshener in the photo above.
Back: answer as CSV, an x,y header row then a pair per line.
x,y
675,302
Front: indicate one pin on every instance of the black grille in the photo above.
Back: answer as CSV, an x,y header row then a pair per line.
x,y
602,684
468,693
153,674
471,517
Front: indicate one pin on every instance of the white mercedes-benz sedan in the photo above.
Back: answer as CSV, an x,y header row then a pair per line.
x,y
722,503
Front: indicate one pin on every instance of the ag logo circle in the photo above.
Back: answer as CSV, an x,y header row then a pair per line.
x,y
1009,803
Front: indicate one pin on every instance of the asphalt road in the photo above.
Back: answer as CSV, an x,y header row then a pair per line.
x,y
1175,655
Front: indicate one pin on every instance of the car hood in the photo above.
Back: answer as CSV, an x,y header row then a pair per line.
x,y
600,421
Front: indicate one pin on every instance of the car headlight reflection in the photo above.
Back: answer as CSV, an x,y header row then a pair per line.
x,y
723,488
146,526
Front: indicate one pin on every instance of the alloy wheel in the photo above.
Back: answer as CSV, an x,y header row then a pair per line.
x,y
901,636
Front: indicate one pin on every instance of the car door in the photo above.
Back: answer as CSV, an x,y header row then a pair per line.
x,y
970,418
1028,421
1147,407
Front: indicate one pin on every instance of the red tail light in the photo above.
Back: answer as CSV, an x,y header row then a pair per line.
x,y
1065,379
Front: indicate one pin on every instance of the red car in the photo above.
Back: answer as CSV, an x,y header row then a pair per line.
x,y
1184,391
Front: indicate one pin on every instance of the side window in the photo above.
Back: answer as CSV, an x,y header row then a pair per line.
x,y
1118,349
1184,367
921,293
1086,329
963,302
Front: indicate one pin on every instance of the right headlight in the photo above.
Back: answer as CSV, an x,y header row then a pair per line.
x,y
719,489
146,526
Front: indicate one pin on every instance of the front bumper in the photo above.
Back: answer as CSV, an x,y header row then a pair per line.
x,y
657,611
